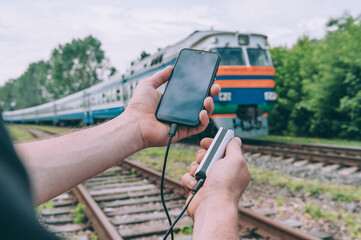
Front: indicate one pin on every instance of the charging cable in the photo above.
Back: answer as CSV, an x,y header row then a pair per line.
x,y
172,132
195,190
215,152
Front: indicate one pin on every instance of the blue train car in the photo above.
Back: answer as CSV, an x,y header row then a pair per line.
x,y
246,75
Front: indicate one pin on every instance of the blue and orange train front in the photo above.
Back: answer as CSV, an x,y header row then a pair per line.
x,y
246,98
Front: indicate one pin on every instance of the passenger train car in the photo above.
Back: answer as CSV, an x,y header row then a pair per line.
x,y
246,75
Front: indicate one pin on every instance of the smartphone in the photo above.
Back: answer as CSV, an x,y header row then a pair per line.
x,y
189,84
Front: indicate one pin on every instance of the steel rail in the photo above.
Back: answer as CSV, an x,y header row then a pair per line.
x,y
347,151
254,222
305,155
100,223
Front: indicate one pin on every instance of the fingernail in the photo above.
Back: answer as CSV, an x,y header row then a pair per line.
x,y
238,140
192,183
192,168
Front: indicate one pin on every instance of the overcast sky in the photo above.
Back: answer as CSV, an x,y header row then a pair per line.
x,y
29,30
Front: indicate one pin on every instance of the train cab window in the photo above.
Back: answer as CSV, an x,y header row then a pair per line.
x,y
258,57
231,56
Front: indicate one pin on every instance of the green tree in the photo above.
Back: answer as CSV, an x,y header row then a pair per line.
x,y
72,67
318,83
76,66
143,55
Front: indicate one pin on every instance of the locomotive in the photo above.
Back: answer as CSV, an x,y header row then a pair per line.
x,y
246,75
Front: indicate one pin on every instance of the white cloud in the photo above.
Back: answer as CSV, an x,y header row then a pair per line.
x,y
29,30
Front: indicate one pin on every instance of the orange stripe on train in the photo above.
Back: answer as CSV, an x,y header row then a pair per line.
x,y
243,70
229,115
246,83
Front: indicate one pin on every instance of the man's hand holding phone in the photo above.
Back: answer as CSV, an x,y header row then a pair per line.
x,y
143,105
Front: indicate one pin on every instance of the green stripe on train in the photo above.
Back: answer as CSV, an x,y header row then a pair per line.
x,y
222,109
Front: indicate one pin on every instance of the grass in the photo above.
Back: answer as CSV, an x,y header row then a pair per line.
x,y
17,134
52,129
188,230
280,200
275,178
93,236
79,213
351,221
47,205
177,163
20,135
306,140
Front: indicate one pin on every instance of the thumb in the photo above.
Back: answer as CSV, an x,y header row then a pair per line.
x,y
160,77
233,149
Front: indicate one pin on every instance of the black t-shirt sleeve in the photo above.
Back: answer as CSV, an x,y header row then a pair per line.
x,y
17,216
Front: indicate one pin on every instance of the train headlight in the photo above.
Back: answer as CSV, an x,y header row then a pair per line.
x,y
270,96
243,39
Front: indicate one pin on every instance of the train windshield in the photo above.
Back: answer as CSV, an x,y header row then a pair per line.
x,y
231,56
258,57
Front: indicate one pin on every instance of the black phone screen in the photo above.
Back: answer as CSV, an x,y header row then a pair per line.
x,y
189,85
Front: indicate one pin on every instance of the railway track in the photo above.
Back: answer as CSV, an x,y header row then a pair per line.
x,y
124,203
332,156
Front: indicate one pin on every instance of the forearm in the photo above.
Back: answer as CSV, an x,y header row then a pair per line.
x,y
216,219
58,164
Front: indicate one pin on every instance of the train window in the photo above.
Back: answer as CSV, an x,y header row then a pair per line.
x,y
258,57
157,60
231,56
118,94
125,93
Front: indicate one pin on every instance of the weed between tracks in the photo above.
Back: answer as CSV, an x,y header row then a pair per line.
x,y
47,205
275,178
78,213
352,221
177,163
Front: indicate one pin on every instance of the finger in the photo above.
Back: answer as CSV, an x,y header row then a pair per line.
x,y
188,181
200,154
204,119
215,90
209,105
233,149
192,166
206,142
193,169
160,77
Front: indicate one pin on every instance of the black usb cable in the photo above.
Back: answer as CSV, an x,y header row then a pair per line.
x,y
195,190
172,132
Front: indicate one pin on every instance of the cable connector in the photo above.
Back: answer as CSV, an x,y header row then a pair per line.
x,y
198,185
173,129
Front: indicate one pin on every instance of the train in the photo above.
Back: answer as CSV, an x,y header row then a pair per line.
x,y
246,75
